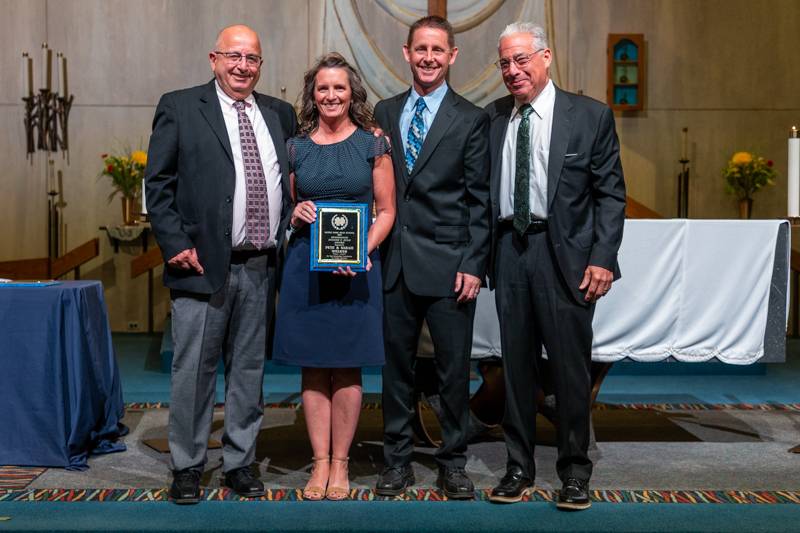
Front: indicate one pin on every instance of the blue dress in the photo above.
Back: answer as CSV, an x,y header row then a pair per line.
x,y
326,320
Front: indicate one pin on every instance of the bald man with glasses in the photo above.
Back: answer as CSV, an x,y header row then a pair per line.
x,y
217,188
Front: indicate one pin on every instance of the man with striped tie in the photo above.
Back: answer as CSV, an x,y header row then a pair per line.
x,y
218,198
435,259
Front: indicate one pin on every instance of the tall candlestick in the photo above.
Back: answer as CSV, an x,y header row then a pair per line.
x,y
64,84
793,175
685,144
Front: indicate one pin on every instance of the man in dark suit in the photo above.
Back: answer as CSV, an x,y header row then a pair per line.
x,y
436,256
217,195
558,207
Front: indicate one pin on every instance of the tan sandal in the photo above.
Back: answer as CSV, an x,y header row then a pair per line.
x,y
338,493
315,492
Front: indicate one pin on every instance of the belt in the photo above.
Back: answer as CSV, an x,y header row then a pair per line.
x,y
239,257
535,226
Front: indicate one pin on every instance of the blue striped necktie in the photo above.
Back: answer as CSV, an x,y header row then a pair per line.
x,y
416,134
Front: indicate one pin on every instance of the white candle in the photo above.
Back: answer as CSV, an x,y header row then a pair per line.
x,y
24,75
144,200
44,64
793,175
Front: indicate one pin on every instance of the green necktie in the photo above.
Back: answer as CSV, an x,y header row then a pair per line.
x,y
522,172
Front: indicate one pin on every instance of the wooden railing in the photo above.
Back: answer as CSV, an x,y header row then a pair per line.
x,y
145,262
46,268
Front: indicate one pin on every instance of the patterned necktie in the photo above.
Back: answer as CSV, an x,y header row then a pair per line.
x,y
416,134
522,172
257,211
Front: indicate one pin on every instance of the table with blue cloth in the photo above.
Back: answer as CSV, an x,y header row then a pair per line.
x,y
60,391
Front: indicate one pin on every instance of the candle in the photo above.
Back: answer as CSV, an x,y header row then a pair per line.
x,y
24,76
793,175
64,84
49,78
57,80
60,188
685,144
44,64
30,76
144,200
51,176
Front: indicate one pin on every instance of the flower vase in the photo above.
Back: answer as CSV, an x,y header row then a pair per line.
x,y
129,211
745,208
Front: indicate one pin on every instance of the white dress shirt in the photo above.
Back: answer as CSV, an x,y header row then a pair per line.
x,y
541,125
269,162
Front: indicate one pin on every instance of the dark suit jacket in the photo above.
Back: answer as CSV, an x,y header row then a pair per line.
x,y
442,224
190,180
585,185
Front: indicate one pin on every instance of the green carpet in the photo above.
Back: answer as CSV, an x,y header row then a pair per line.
x,y
462,517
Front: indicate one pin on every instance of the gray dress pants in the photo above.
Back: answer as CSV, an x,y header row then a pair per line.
x,y
231,323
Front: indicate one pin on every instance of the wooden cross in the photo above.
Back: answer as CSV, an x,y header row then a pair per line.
x,y
437,7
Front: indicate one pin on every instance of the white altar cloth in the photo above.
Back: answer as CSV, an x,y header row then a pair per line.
x,y
691,290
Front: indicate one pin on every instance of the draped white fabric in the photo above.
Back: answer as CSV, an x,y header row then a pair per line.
x,y
345,32
694,290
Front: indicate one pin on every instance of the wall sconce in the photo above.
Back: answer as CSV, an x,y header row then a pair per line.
x,y
47,112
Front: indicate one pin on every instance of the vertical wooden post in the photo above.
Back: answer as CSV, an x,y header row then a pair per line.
x,y
437,7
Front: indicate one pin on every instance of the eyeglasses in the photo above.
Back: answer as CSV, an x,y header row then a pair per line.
x,y
234,58
520,60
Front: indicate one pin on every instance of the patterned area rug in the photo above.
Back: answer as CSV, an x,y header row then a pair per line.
x,y
411,495
18,477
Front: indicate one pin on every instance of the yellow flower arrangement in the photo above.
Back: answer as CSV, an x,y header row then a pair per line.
x,y
745,173
126,172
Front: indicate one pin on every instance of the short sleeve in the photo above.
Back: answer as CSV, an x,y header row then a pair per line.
x,y
291,149
380,146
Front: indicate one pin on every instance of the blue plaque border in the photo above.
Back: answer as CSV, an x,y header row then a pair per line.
x,y
318,265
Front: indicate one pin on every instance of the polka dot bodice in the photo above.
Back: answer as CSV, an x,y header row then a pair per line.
x,y
340,171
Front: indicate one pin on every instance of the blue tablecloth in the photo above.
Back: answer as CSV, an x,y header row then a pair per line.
x,y
60,392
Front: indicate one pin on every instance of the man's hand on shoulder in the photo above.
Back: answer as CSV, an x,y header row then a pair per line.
x,y
187,260
467,287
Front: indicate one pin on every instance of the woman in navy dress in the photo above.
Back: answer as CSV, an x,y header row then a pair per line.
x,y
331,324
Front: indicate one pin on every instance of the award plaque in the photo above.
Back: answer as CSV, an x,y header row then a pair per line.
x,y
339,237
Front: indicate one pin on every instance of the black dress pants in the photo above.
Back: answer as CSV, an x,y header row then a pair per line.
x,y
450,325
535,308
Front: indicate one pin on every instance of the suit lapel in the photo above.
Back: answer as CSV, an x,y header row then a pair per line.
x,y
212,112
441,123
559,140
394,111
499,127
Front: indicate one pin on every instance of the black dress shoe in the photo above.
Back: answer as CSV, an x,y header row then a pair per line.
x,y
394,480
455,483
185,487
512,488
244,483
574,495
